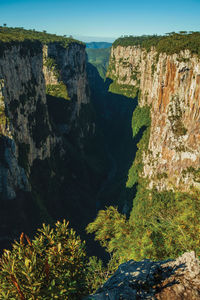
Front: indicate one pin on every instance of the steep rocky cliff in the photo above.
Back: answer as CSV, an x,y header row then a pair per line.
x,y
163,74
26,129
169,85
23,99
50,160
67,66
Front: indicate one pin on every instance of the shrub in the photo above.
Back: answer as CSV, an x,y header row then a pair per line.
x,y
51,266
97,273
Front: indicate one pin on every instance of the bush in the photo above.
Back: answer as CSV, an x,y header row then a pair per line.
x,y
51,266
162,225
98,274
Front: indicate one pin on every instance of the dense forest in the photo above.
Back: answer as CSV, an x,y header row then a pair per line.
x,y
99,58
9,34
170,43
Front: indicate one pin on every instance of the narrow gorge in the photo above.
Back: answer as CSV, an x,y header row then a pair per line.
x,y
61,156
115,153
162,74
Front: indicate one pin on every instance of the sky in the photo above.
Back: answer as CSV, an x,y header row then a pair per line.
x,y
103,20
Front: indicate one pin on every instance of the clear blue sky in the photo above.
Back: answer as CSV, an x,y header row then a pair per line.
x,y
104,19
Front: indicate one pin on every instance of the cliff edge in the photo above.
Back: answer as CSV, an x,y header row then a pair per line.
x,y
163,280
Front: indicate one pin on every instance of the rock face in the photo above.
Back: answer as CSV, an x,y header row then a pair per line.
x,y
22,97
169,84
26,131
51,159
70,63
163,280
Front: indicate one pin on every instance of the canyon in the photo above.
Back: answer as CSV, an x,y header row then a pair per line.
x,y
67,149
50,163
74,144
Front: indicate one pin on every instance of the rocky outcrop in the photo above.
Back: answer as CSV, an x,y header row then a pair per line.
x,y
169,84
163,280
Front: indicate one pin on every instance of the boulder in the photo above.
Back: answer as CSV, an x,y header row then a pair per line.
x,y
163,280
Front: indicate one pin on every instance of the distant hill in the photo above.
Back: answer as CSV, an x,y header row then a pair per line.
x,y
99,58
98,45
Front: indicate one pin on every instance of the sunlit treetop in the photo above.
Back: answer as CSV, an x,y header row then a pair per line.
x,y
170,43
8,34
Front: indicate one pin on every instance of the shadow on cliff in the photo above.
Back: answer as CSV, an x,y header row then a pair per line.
x,y
114,117
75,183
65,185
86,181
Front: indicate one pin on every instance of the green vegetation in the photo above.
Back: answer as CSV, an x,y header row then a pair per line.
x,y
53,265
137,41
175,117
123,89
162,225
100,59
112,230
8,34
178,128
3,120
98,45
162,175
194,172
58,90
51,65
141,118
170,43
97,273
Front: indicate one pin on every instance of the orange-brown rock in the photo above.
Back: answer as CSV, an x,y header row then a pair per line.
x,y
170,85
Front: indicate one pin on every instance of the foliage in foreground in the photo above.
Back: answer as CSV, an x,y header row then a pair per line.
x,y
53,265
162,225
